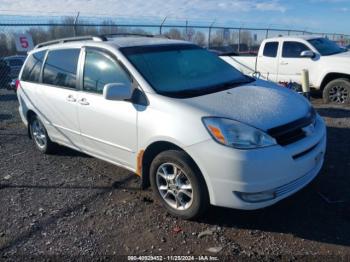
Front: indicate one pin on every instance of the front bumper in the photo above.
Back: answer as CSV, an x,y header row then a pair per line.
x,y
283,170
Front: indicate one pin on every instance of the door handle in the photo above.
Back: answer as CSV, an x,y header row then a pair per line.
x,y
83,102
284,63
71,98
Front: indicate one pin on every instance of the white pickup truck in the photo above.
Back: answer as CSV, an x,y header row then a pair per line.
x,y
282,59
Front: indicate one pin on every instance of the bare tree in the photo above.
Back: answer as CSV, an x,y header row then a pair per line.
x,y
139,31
246,38
174,33
218,38
38,34
64,29
188,33
108,27
6,46
199,38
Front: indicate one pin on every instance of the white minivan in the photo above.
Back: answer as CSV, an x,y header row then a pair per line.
x,y
191,125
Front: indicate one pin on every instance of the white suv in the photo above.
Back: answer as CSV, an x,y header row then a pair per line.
x,y
188,123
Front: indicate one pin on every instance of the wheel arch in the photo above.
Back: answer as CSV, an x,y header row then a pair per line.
x,y
146,157
29,116
332,76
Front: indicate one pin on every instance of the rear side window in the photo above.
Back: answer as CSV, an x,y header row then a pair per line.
x,y
61,68
293,49
270,49
100,69
32,68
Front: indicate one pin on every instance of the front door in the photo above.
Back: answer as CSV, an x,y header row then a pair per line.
x,y
108,128
291,63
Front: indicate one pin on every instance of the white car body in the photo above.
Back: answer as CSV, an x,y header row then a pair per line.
x,y
121,132
322,69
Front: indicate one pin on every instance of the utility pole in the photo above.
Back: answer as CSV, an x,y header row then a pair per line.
x,y
209,36
161,25
75,24
239,40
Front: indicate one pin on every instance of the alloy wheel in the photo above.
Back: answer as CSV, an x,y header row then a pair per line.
x,y
174,186
39,134
338,94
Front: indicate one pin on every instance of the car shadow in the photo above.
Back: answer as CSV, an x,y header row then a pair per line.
x,y
320,212
66,151
8,97
334,112
5,117
316,94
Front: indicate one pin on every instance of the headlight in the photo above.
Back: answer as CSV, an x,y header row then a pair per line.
x,y
235,134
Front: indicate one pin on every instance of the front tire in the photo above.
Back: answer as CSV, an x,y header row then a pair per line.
x,y
39,135
337,92
178,184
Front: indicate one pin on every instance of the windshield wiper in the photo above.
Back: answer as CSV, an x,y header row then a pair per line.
x,y
234,83
207,90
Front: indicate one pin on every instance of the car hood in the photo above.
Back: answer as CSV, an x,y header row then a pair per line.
x,y
261,105
339,63
341,57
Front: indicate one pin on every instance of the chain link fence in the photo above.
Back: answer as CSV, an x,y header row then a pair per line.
x,y
229,39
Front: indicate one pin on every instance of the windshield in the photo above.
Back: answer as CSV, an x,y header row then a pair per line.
x,y
326,47
183,70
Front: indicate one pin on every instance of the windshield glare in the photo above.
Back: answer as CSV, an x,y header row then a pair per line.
x,y
183,70
326,47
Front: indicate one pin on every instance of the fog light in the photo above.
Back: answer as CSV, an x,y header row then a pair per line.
x,y
256,197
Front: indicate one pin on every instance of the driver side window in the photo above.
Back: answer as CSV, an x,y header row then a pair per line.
x,y
99,70
293,49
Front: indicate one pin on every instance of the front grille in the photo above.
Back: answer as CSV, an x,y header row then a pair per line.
x,y
293,131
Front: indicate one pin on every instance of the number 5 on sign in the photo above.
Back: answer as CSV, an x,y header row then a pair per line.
x,y
24,42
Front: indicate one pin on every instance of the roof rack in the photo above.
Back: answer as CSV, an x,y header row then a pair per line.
x,y
71,39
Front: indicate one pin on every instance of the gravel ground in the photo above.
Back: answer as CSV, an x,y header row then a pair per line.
x,y
72,206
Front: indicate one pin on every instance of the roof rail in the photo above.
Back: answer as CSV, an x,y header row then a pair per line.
x,y
100,38
71,39
105,36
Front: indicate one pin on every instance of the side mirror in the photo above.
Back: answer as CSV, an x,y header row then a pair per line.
x,y
117,91
308,54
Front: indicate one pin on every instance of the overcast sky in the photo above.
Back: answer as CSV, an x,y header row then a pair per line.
x,y
314,15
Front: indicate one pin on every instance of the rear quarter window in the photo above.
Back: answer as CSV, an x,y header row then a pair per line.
x,y
32,67
60,68
270,49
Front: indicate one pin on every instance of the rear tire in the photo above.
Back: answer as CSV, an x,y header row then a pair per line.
x,y
337,91
39,135
178,184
